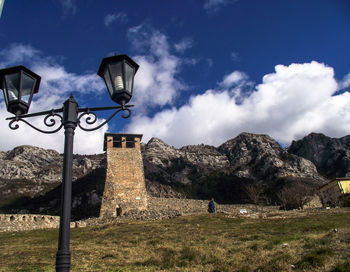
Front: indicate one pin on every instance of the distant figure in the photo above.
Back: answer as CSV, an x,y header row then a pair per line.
x,y
211,206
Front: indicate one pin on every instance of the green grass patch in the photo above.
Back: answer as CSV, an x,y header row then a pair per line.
x,y
191,243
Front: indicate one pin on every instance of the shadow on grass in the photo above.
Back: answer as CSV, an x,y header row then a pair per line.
x,y
316,258
342,267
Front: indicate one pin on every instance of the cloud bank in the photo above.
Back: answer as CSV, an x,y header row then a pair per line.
x,y
291,102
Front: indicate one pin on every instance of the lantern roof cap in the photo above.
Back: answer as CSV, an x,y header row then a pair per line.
x,y
113,59
15,69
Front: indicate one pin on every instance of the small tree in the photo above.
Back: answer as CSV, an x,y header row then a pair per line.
x,y
295,196
255,193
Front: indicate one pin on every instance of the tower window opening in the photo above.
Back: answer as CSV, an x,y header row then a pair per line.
x,y
117,143
130,142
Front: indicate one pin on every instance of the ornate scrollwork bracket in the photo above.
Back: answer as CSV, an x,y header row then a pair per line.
x,y
91,117
50,120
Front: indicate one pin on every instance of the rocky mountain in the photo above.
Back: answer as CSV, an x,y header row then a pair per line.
x,y
202,171
259,157
30,176
30,171
250,156
331,156
42,165
176,165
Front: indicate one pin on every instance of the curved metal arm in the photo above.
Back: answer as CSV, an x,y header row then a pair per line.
x,y
90,120
49,122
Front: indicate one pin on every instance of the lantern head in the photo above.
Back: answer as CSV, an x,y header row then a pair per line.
x,y
18,84
118,73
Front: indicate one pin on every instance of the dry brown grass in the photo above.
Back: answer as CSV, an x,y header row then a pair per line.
x,y
191,243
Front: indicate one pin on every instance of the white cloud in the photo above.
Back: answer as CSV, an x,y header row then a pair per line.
x,y
234,56
345,83
111,18
202,120
239,85
183,45
56,80
232,79
155,82
16,54
289,103
214,5
69,7
56,86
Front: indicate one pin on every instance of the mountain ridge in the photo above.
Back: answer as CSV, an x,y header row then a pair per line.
x,y
193,171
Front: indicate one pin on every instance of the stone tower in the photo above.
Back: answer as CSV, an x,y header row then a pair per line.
x,y
125,187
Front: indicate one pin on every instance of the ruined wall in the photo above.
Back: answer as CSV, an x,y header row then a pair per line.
x,y
195,206
125,187
158,208
20,222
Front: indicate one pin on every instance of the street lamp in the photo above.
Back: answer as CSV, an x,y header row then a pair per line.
x,y
19,84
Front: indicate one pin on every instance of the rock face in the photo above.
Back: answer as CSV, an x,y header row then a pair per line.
x,y
259,157
330,155
30,171
42,165
251,156
175,165
159,153
28,162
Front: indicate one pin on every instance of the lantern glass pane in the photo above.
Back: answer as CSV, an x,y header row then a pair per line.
x,y
5,96
28,84
129,77
108,81
117,77
12,86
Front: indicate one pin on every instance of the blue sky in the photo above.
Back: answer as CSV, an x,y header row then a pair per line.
x,y
209,69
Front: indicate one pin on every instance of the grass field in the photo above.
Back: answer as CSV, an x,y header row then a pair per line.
x,y
191,243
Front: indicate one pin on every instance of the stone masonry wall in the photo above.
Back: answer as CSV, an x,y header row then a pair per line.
x,y
125,187
20,222
194,206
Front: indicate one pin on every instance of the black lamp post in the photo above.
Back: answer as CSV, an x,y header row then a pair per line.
x,y
19,84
